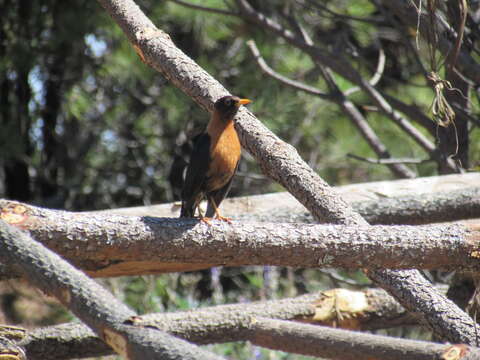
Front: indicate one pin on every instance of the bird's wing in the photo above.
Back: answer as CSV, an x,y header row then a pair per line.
x,y
219,195
197,168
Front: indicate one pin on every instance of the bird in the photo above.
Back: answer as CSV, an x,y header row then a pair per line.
x,y
213,162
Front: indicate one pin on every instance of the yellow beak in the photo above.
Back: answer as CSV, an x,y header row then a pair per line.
x,y
245,101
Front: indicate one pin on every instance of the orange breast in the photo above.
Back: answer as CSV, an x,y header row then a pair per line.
x,y
225,151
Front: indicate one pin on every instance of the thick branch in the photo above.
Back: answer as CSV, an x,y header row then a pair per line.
x,y
415,201
95,306
277,159
368,310
343,345
113,244
281,161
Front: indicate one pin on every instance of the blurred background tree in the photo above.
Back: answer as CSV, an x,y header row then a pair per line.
x,y
86,125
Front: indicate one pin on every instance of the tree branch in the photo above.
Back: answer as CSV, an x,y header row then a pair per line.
x,y
341,100
407,13
386,161
282,163
368,310
110,245
343,68
343,345
409,201
289,82
204,8
95,306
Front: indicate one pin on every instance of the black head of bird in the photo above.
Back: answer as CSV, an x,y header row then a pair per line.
x,y
228,106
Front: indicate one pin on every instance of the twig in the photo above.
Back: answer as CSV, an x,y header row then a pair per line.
x,y
370,20
204,8
376,76
388,160
289,82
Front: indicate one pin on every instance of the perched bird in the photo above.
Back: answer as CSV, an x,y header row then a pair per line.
x,y
213,161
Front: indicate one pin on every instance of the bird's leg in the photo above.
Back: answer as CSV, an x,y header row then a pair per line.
x,y
217,213
202,218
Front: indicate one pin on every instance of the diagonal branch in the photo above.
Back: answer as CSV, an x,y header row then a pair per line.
x,y
343,68
283,79
346,105
283,164
95,306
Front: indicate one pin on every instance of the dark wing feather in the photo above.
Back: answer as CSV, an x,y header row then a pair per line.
x,y
196,175
219,195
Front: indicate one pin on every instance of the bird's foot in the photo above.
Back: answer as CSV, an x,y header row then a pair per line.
x,y
223,218
206,220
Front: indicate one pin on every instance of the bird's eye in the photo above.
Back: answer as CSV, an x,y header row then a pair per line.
x,y
228,102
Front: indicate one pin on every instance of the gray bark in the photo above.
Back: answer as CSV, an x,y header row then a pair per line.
x,y
108,245
95,306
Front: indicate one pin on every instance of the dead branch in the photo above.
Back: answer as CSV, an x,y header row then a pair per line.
x,y
343,68
342,344
408,14
204,8
413,201
283,79
112,245
95,306
341,100
283,164
368,310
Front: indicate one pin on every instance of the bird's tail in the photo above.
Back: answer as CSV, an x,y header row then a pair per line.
x,y
188,210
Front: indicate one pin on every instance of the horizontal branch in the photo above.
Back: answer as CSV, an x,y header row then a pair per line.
x,y
112,245
413,201
275,334
366,310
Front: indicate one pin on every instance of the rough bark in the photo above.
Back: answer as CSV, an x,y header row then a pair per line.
x,y
95,306
416,201
345,345
367,310
278,160
112,245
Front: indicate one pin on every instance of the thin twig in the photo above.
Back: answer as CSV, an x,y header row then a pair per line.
x,y
376,76
292,83
389,160
204,8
